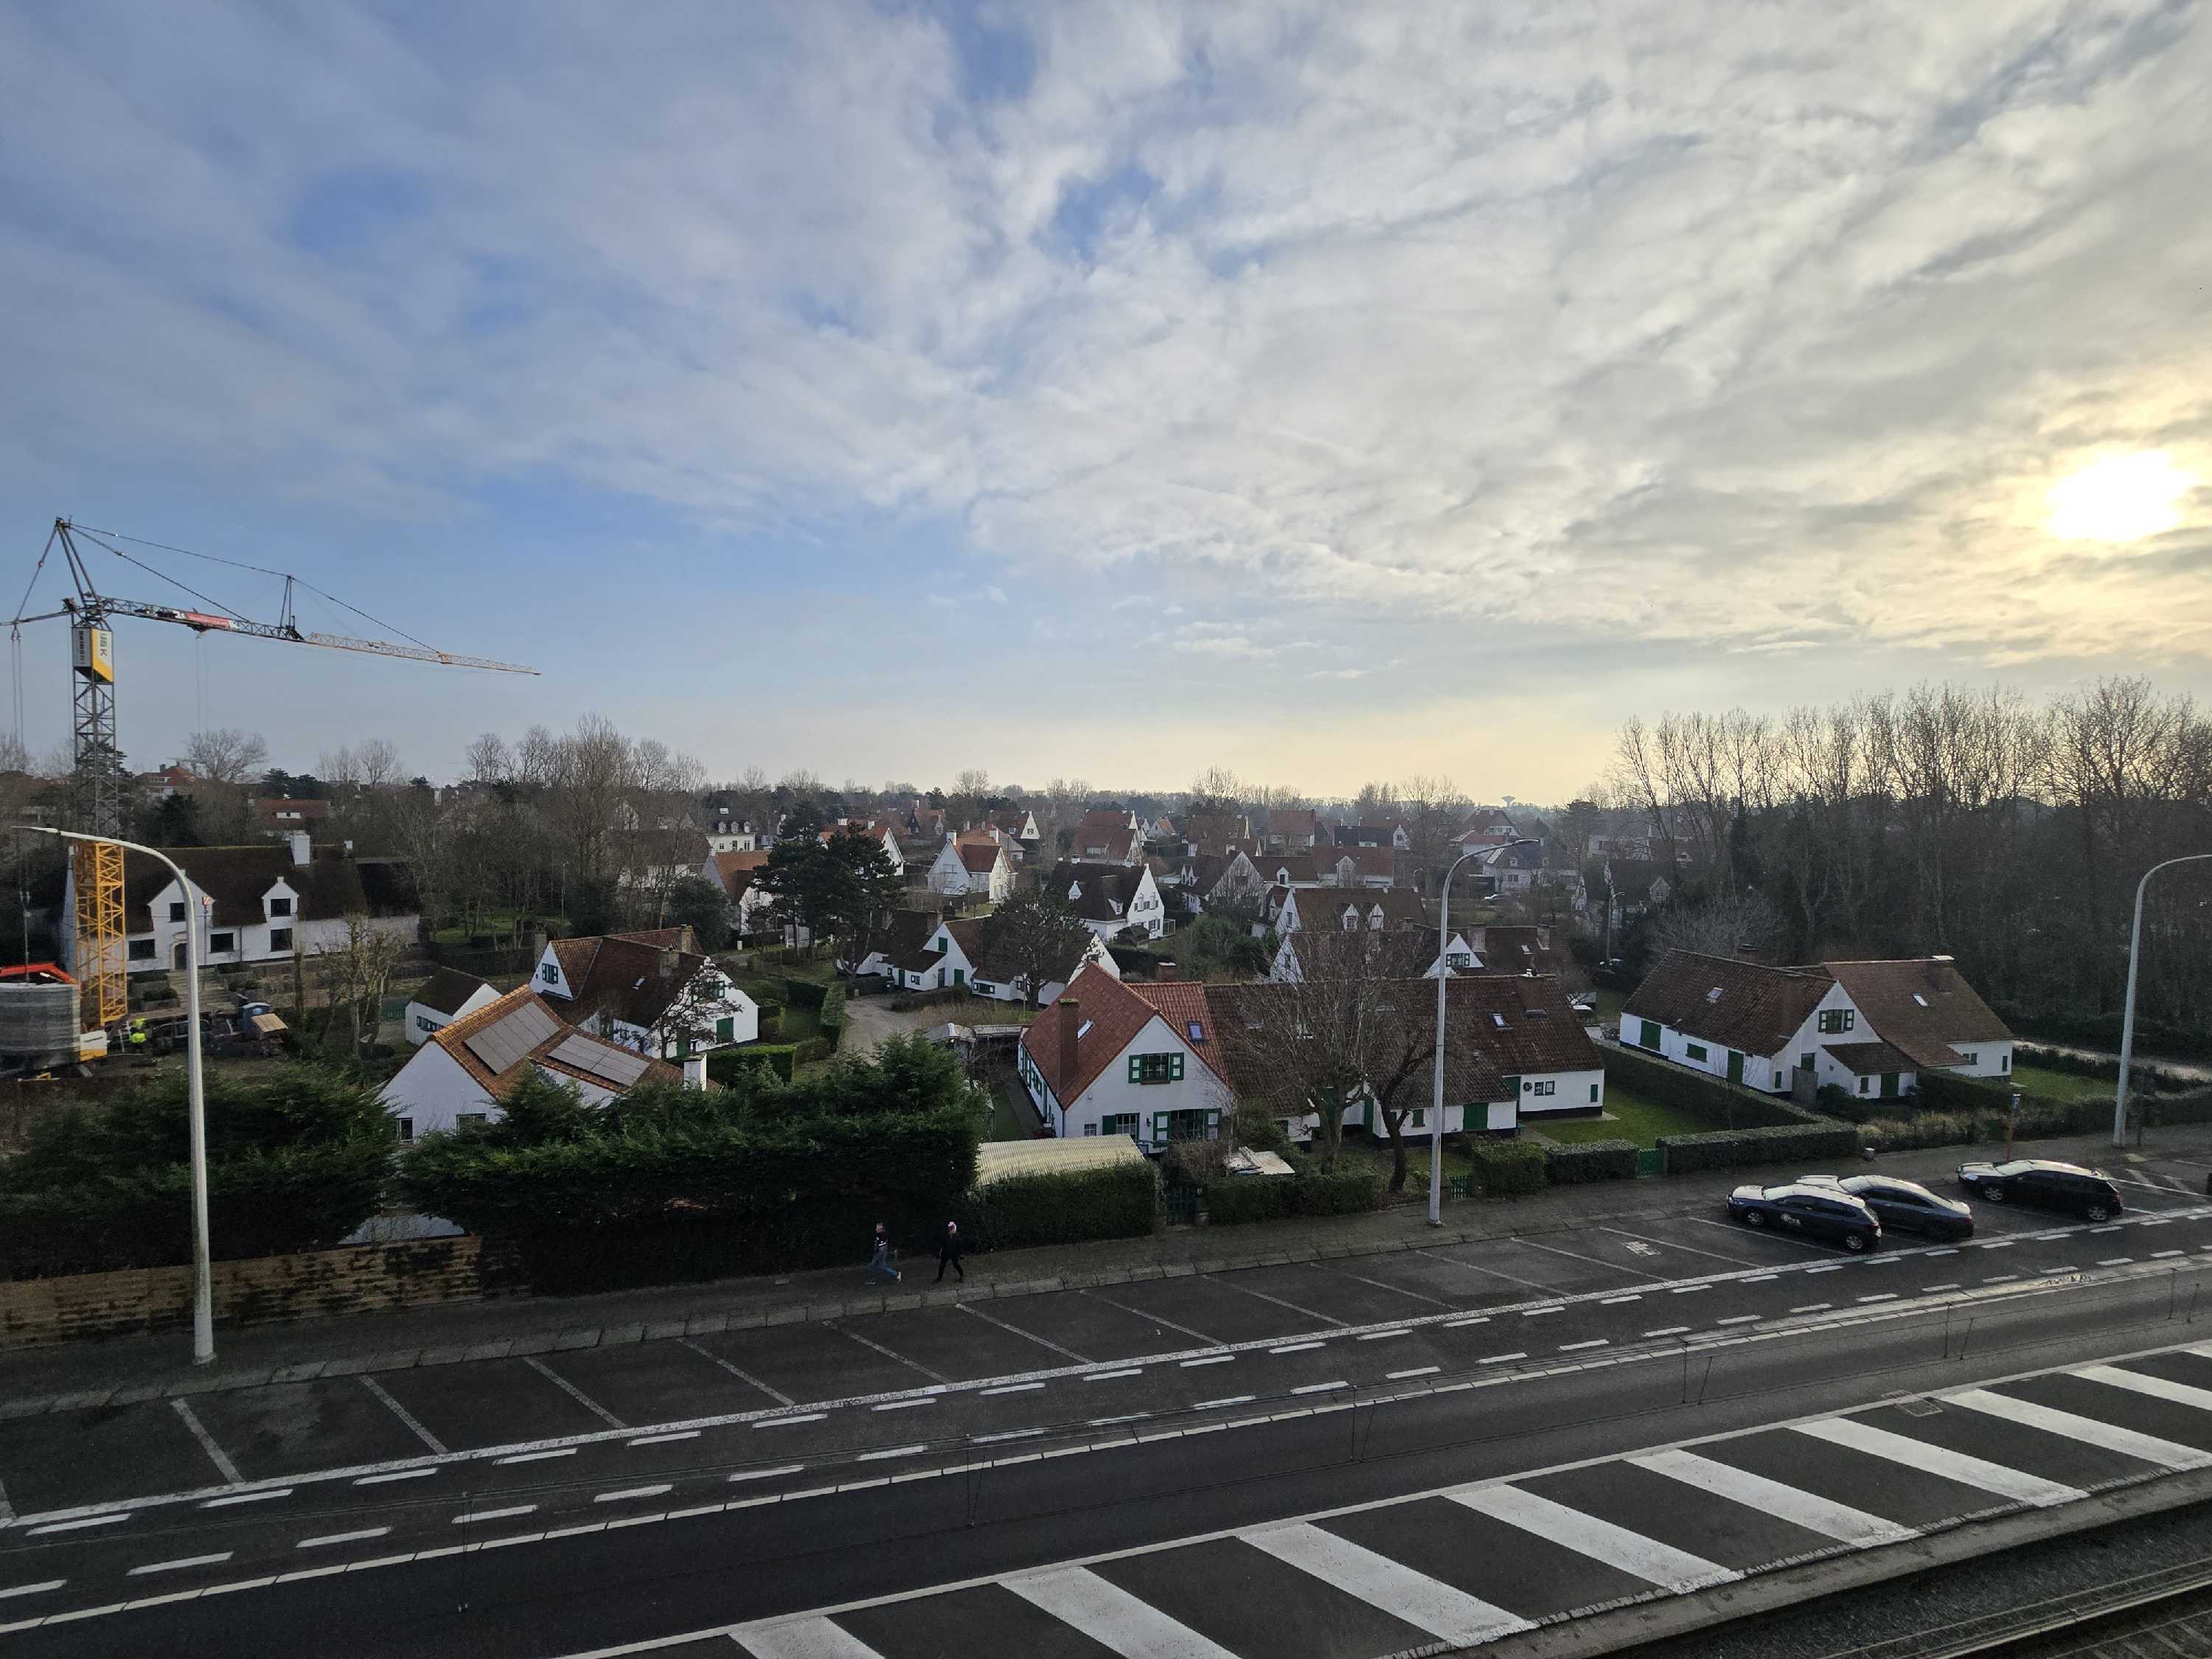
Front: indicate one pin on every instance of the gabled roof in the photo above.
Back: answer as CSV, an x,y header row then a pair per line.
x,y
1214,832
1290,821
1514,950
1092,890
1870,1058
1922,1006
980,859
1365,860
1113,845
1107,1017
993,960
500,1043
901,940
1740,1005
1301,867
1325,906
735,871
329,885
1389,953
632,977
446,990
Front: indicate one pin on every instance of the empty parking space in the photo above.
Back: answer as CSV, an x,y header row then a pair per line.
x,y
957,1346
1423,1275
62,1459
1721,1245
658,1382
493,1402
1207,1311
813,1362
1652,1257
1541,1271
288,1428
1345,1291
1086,1325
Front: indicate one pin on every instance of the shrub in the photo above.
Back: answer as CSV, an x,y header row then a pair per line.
x,y
804,992
813,1048
1891,1134
832,1016
1820,1140
1837,1101
1506,1167
1334,1192
1236,1201
2193,1108
1590,1160
1724,1104
1118,1200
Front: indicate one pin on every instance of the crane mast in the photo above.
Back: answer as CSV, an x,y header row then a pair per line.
x,y
97,866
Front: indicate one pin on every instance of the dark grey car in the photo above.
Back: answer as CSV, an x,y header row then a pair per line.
x,y
1902,1206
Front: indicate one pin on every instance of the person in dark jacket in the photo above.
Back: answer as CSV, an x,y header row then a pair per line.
x,y
948,1253
880,1270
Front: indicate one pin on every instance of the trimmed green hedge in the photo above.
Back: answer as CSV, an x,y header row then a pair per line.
x,y
1728,1149
833,1015
1504,1167
1590,1160
1725,1105
1235,1200
2195,1107
804,992
1120,1201
727,1066
1238,1200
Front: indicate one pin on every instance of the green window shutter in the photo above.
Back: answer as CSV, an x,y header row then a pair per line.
x,y
1135,1063
1594,1088
1176,1074
1650,1033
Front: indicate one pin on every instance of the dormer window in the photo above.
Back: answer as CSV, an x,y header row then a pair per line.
x,y
280,907
1917,998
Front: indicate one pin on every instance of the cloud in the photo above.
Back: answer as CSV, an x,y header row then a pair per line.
x,y
996,595
944,602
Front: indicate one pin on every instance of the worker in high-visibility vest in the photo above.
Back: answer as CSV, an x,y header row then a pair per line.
x,y
138,1034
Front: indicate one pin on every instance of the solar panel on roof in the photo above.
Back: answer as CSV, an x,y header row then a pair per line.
x,y
614,1065
508,1041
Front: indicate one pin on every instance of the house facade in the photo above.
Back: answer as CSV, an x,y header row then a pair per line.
x,y
1109,900
966,868
1111,1059
649,993
448,995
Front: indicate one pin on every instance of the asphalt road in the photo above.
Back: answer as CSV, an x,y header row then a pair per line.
x,y
610,1496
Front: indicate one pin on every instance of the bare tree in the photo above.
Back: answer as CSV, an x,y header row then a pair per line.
x,y
378,762
227,756
490,761
354,976
1725,925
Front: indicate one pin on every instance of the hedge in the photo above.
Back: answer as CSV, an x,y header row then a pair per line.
x,y
2056,1060
1118,1200
2195,1107
2103,1031
1725,1105
833,1015
727,1066
1726,1149
1505,1167
1590,1160
1238,1200
804,992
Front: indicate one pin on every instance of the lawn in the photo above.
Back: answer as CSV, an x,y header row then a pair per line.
x,y
2061,1085
1634,1117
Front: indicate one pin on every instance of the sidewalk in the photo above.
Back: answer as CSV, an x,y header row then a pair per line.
x,y
126,1369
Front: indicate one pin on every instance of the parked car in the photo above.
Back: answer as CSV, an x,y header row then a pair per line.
x,y
1899,1205
1809,1212
2048,1185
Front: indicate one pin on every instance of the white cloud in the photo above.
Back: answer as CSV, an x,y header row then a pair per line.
x,y
996,595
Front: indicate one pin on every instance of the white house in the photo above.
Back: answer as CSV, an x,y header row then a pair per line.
x,y
464,1071
1358,866
977,867
1109,898
448,995
253,903
1107,844
1216,878
998,977
650,993
1112,1059
1757,1025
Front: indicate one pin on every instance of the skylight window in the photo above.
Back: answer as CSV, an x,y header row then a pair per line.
x,y
1713,995
1917,998
1498,1020
1197,1030
1083,1030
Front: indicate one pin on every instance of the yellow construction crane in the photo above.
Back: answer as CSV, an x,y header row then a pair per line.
x,y
99,865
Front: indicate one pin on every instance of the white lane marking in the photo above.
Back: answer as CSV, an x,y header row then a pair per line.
x,y
2116,1261
1011,1434
475,1515
1215,1405
1230,1280
1831,1268
1930,1290
743,1376
2181,1393
536,1456
1420,1601
1379,1336
2000,1278
2104,1229
1108,1422
261,1497
1462,1324
1208,1360
1813,1307
809,1637
1105,1612
1667,1330
362,1536
395,1475
1027,1336
32,1590
787,1421
1014,1388
77,1526
405,1416
2015,1484
1153,1318
182,1562
1108,1376
1785,1502
1998,1244
663,1439
1594,1261
1594,1342
888,1353
1494,1273
1297,1347
1499,1358
1615,1301
2106,1437
770,1474
1320,1387
1535,1313
888,1452
572,1392
2160,1255
629,1493
1739,1319
1758,1279
1946,1250
1395,1290
1418,1371
904,1405
1666,1244
7,1510
1617,1546
1886,1296
1688,1290
216,1455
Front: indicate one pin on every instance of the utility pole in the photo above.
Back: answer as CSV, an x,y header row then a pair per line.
x,y
2128,1018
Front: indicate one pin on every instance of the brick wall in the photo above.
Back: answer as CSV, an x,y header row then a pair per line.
x,y
263,1290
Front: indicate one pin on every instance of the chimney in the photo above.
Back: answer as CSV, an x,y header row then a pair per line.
x,y
695,1072
1069,1012
668,962
303,849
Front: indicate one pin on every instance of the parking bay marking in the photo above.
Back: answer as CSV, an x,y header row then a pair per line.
x,y
572,1392
744,1376
888,1353
1029,1336
403,1414
216,1455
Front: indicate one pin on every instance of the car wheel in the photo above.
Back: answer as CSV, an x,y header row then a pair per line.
x,y
1857,1243
1960,1235
2098,1212
1754,1218
1995,1194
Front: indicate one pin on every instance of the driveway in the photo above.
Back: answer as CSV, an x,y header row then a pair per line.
x,y
869,1020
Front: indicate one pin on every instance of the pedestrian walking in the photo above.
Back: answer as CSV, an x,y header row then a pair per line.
x,y
948,1253
880,1271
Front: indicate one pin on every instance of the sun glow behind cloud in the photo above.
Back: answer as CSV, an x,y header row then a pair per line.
x,y
2119,498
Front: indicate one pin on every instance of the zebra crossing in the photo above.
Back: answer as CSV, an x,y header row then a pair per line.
x,y
1470,1564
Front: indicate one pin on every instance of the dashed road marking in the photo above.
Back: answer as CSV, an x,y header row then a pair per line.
x,y
1015,1387
1615,1301
394,1474
629,1492
1109,1376
1594,1342
888,1452
261,1497
1296,1347
1010,1434
1886,1296
536,1456
78,1526
663,1439
1211,1359
1318,1388
1418,1371
1216,1405
787,1421
475,1515
1462,1324
1688,1290
1537,1313
1930,1290
770,1474
1739,1319
328,1538
1668,1330
32,1590
2160,1255
1813,1307
182,1562
904,1405
1377,1336
1499,1358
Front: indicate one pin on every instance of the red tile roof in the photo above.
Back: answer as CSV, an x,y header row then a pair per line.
x,y
1921,1004
1113,1014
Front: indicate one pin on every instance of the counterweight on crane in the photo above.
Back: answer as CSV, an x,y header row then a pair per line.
x,y
99,761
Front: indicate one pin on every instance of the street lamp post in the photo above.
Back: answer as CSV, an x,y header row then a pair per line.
x,y
203,1280
1444,972
2127,1017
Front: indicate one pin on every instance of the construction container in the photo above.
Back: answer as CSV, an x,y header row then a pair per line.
x,y
38,1020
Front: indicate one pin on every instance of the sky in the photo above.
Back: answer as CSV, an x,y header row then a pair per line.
x,y
1108,391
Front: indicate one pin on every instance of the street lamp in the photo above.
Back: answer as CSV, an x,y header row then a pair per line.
x,y
1444,973
2128,1018
202,1283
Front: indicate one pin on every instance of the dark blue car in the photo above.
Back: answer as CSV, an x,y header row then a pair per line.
x,y
1808,1212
